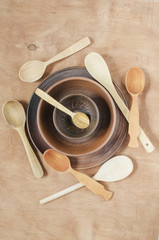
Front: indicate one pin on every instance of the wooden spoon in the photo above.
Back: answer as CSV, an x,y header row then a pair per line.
x,y
98,68
13,113
61,163
34,70
134,82
115,169
79,119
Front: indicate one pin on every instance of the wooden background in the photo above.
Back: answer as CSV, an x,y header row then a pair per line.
x,y
126,34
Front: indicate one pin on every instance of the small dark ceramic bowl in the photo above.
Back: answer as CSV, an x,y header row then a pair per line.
x,y
76,103
102,132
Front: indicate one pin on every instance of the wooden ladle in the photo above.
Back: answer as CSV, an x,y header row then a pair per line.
x,y
34,70
13,113
61,163
79,119
135,83
115,169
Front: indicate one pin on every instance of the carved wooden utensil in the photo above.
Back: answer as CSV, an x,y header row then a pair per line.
x,y
134,82
78,118
61,163
115,169
13,113
34,70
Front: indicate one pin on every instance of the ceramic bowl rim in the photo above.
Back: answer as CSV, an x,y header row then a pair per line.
x,y
112,112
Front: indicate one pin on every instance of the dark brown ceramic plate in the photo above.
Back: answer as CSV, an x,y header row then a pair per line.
x,y
84,161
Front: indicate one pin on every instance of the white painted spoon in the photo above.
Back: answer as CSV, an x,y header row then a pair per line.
x,y
115,169
98,68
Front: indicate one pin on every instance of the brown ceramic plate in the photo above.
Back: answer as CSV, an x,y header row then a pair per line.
x,y
107,113
78,162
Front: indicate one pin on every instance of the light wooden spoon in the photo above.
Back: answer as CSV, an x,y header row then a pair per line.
x,y
115,169
135,83
13,113
98,68
61,163
34,70
79,119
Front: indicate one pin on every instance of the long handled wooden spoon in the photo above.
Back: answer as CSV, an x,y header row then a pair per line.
x,y
98,68
13,113
79,119
134,82
61,163
34,70
115,169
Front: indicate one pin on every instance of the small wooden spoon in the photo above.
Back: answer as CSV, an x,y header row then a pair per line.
x,y
61,163
79,119
34,70
14,114
135,83
115,169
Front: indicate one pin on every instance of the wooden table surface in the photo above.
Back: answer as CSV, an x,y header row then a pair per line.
x,y
126,34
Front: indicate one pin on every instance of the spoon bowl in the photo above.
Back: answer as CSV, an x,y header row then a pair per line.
x,y
134,82
115,169
80,120
57,161
14,114
32,71
61,163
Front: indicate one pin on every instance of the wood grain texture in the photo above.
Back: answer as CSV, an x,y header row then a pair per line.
x,y
126,34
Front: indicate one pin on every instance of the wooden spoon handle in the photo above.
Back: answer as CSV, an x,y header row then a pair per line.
x,y
61,193
34,163
91,184
70,50
134,123
53,102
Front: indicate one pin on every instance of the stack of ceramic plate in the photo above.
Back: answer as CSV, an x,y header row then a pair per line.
x,y
51,128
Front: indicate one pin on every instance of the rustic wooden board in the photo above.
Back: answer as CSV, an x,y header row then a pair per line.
x,y
126,34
